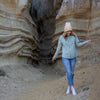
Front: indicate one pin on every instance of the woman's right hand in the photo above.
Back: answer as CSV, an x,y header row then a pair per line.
x,y
89,41
53,59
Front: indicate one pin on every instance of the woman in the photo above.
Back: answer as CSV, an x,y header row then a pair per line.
x,y
68,42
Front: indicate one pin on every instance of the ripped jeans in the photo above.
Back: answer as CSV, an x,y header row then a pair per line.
x,y
69,65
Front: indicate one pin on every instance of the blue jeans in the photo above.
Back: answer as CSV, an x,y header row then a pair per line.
x,y
69,65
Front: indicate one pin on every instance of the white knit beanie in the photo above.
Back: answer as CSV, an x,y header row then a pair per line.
x,y
67,27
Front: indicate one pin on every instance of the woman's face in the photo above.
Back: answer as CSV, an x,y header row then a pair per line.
x,y
68,32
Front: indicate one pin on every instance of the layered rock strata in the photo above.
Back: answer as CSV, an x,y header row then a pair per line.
x,y
18,34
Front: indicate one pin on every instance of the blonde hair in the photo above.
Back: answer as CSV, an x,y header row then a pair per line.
x,y
65,37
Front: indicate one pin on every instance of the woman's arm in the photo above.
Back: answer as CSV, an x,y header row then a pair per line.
x,y
58,48
78,43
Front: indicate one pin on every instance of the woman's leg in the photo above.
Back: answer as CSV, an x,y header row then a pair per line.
x,y
73,62
67,65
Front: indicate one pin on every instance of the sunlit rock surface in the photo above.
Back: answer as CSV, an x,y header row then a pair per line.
x,y
18,34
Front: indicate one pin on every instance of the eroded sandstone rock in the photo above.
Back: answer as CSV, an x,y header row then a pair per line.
x,y
18,34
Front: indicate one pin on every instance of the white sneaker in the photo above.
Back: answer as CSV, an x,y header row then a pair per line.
x,y
68,90
73,91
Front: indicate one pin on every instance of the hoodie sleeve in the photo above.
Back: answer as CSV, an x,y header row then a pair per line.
x,y
78,43
58,48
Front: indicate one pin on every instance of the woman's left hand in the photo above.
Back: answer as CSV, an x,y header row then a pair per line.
x,y
89,41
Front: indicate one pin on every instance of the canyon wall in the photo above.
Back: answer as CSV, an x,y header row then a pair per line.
x,y
84,16
28,36
26,29
18,33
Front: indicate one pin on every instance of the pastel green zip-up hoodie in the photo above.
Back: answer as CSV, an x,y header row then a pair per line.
x,y
68,46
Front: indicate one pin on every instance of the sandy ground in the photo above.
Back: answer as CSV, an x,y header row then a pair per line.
x,y
29,83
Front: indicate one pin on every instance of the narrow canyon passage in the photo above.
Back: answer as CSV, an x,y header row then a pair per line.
x,y
43,13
